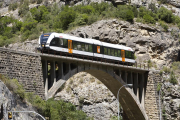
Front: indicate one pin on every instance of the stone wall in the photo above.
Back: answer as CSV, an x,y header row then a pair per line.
x,y
25,67
151,98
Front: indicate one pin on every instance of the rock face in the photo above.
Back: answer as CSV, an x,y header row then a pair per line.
x,y
90,95
11,102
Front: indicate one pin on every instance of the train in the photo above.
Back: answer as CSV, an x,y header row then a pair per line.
x,y
71,45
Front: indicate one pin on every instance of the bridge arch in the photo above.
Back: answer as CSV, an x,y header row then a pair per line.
x,y
112,76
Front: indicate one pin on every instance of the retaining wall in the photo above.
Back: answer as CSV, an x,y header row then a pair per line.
x,y
25,67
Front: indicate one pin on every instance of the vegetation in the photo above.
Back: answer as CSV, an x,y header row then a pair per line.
x,y
174,70
158,87
55,110
52,18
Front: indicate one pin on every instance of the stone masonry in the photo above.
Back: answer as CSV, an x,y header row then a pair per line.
x,y
151,97
25,67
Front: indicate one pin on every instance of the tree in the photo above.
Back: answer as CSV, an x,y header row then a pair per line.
x,y
64,18
165,15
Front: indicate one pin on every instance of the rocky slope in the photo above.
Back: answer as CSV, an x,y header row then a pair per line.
x,y
11,102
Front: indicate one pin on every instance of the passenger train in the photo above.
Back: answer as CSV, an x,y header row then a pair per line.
x,y
86,47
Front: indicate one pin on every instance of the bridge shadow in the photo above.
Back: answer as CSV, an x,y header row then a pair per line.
x,y
132,100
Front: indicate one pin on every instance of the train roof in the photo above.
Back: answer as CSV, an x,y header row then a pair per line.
x,y
91,41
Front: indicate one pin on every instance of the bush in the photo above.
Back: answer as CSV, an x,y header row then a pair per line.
x,y
64,18
23,10
39,1
165,15
13,6
173,79
125,13
164,26
13,85
147,18
166,69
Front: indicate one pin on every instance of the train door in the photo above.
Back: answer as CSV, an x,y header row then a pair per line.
x,y
123,55
70,49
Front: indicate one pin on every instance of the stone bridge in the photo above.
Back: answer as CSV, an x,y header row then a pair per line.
x,y
44,74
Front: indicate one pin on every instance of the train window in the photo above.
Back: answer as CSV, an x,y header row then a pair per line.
x,y
128,54
55,42
90,48
112,51
82,47
105,50
78,45
109,51
86,47
119,53
65,43
74,45
61,41
132,55
116,52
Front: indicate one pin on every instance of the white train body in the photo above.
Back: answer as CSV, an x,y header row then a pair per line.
x,y
86,47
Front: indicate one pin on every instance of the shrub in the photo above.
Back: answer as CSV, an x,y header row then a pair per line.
x,y
14,86
39,1
173,79
147,18
150,64
158,87
164,26
165,15
153,8
13,6
64,18
23,10
166,69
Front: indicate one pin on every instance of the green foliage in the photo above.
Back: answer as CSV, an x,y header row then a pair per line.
x,y
125,12
166,69
40,14
163,1
159,87
172,78
150,64
175,66
65,18
13,6
24,8
161,72
165,15
147,18
164,26
153,8
39,1
164,114
13,85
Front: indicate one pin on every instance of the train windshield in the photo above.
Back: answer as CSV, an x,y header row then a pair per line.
x,y
44,37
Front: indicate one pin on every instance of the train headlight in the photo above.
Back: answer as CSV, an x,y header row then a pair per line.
x,y
42,45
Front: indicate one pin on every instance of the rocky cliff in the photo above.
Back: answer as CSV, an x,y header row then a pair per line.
x,y
12,102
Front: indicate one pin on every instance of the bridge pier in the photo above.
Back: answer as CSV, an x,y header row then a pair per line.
x,y
53,73
45,76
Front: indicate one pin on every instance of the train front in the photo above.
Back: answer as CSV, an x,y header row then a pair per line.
x,y
43,46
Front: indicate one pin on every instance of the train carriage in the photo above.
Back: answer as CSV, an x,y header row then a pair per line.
x,y
86,47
